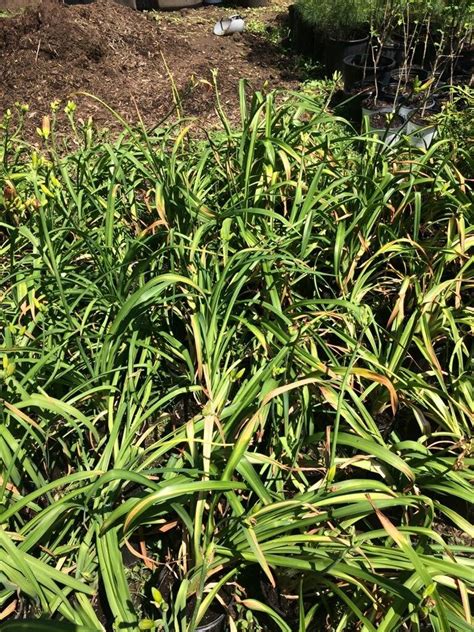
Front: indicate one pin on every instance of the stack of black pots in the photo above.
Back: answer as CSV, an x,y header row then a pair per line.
x,y
379,80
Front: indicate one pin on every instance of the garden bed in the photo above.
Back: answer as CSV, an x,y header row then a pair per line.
x,y
236,377
119,55
236,357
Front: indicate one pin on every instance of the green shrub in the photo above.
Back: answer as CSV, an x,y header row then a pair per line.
x,y
341,19
456,120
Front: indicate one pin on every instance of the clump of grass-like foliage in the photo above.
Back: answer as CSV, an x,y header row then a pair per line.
x,y
237,374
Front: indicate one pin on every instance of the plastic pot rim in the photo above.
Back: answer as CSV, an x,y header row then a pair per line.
x,y
389,130
210,626
358,40
349,61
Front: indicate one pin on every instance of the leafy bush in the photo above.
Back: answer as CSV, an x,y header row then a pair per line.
x,y
236,368
346,18
341,19
456,120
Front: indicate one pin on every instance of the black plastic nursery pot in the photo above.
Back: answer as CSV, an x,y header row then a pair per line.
x,y
395,92
393,50
361,67
214,619
253,4
407,76
215,624
461,68
292,18
390,48
147,5
301,33
417,49
350,102
174,5
338,49
444,90
464,64
304,37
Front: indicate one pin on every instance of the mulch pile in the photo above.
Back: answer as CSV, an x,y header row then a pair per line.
x,y
56,50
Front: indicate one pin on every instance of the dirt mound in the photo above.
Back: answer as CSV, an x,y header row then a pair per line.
x,y
118,54
78,35
103,48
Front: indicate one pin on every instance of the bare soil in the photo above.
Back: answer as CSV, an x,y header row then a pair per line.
x,y
127,58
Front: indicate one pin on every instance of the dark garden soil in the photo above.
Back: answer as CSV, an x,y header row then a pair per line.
x,y
372,103
54,51
380,121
